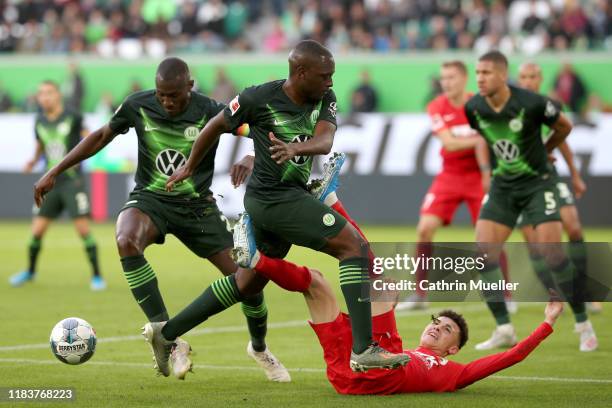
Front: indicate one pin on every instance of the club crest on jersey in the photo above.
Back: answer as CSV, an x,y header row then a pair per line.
x,y
234,105
430,361
63,128
169,160
329,219
516,125
550,110
506,151
314,116
300,160
191,133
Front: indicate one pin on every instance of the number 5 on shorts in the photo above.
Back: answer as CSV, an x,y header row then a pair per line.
x,y
551,203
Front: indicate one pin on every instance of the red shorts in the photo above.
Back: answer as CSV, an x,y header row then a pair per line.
x,y
336,340
448,191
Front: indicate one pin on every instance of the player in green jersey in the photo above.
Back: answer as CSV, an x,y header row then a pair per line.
x,y
167,120
511,119
291,121
530,77
57,131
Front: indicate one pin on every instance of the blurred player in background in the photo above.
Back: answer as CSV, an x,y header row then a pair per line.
x,y
57,131
465,171
510,119
291,121
167,121
530,77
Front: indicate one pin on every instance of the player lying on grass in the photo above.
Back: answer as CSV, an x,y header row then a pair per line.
x,y
429,370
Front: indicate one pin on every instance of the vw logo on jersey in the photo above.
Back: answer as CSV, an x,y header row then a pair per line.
x,y
506,151
169,160
55,150
516,125
300,160
191,133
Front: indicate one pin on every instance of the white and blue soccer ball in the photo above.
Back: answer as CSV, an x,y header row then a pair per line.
x,y
73,341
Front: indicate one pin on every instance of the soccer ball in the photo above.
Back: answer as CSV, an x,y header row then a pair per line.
x,y
73,341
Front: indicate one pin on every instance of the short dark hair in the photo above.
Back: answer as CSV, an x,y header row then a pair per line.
x,y
495,57
456,64
172,68
312,48
460,321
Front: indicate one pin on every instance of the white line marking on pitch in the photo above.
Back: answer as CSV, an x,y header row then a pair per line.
x,y
228,329
299,370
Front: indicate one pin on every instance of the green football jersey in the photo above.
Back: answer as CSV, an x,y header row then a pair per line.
x,y
58,137
164,142
267,108
515,133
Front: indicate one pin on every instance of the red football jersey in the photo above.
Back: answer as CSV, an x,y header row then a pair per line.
x,y
446,116
426,372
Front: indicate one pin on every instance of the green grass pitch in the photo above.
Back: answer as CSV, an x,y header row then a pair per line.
x,y
121,374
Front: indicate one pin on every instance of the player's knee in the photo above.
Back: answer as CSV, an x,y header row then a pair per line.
x,y
425,232
127,244
316,277
319,287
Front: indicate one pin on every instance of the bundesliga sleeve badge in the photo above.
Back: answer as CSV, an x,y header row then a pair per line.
x,y
234,105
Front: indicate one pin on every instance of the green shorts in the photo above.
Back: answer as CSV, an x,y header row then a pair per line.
x,y
300,219
198,224
537,200
565,198
67,195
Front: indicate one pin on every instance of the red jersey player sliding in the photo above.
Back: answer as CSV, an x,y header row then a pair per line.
x,y
465,174
429,370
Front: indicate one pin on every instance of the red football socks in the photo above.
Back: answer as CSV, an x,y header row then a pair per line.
x,y
285,274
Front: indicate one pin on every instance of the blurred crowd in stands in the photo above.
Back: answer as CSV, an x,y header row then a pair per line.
x,y
133,28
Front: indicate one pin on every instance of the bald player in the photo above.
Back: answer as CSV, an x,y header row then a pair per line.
x,y
530,77
167,120
291,120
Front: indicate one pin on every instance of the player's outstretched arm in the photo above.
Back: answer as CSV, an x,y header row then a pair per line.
x,y
577,182
207,138
486,366
560,130
320,143
86,148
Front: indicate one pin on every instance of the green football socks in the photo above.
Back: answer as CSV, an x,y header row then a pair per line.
x,y
354,283
143,284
